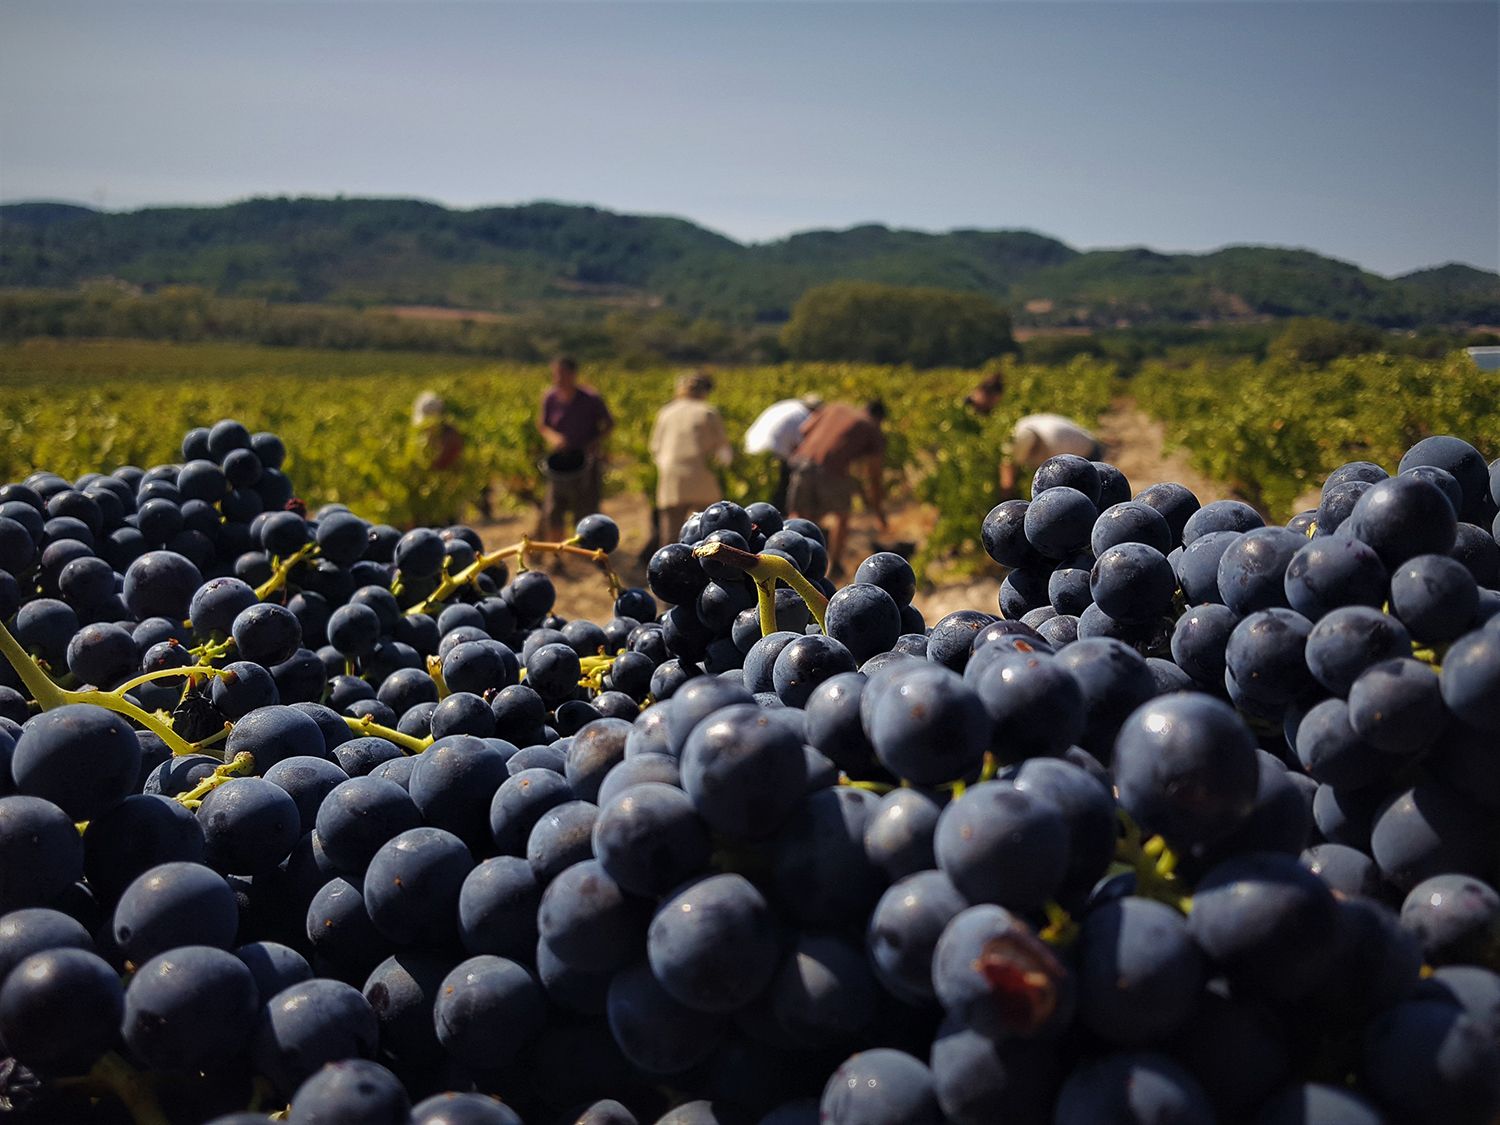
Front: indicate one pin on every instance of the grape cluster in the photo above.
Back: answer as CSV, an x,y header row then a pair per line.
x,y
300,811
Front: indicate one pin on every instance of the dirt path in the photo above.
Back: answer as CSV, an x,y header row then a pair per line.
x,y
1135,444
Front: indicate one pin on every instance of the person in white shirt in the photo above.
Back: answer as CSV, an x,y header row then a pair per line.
x,y
1037,437
777,430
1033,438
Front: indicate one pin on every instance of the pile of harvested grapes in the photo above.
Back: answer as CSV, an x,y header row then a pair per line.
x,y
305,818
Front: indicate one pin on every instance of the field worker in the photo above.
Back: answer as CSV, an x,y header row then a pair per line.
x,y
776,430
444,442
837,442
573,421
1037,437
687,436
1033,438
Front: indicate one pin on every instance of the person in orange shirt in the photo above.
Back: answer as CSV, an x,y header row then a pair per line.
x,y
841,453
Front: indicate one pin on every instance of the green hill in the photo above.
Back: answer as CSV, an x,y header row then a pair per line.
x,y
565,258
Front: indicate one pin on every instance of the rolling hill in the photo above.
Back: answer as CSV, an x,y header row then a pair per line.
x,y
563,257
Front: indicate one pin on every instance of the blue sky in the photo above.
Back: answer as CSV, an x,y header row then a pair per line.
x,y
1364,129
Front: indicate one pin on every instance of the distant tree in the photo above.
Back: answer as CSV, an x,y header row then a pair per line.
x,y
1310,339
867,322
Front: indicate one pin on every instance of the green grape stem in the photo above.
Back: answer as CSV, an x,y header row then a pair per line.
x,y
50,696
365,725
283,569
766,571
452,583
239,766
1154,864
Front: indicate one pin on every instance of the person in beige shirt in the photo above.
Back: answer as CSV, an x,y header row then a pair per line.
x,y
688,435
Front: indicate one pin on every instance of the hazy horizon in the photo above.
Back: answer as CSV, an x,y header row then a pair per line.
x,y
1367,131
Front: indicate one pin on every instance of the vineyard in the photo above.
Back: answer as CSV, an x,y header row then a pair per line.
x,y
346,416
1269,430
1273,430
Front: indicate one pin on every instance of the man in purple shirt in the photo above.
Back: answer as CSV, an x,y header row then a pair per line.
x,y
573,421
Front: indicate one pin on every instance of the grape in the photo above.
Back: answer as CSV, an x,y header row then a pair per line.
x,y
82,758
307,780
361,814
104,654
744,771
1470,680
805,663
597,747
1004,536
980,1080
1267,922
1132,582
1330,750
451,1108
649,838
588,920
1133,1089
243,688
486,1010
161,584
249,826
1475,990
904,930
38,930
1348,640
639,770
1185,766
1427,1060
1200,639
991,972
928,726
656,1033
1266,656
1430,830
1004,845
351,1092
713,946
820,872
454,783
823,994
273,966
1458,458
561,837
173,904
1221,515
60,1009
1252,569
1197,567
899,834
880,1087
1434,596
1115,681
412,885
1309,1102
303,1027
1403,517
1397,706
1456,918
1059,521
865,618
190,1008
